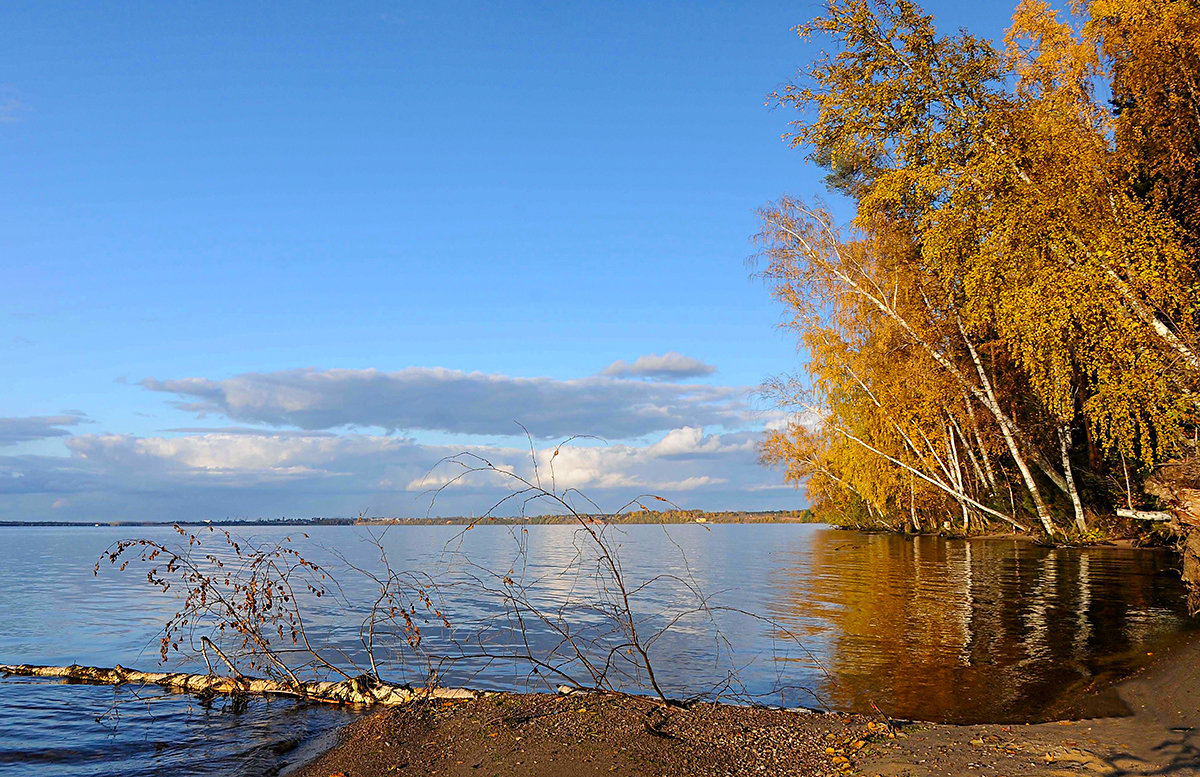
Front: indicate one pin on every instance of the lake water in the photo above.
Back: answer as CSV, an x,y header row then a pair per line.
x,y
924,628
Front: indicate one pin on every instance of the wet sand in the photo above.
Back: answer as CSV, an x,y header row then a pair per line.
x,y
541,735
1159,736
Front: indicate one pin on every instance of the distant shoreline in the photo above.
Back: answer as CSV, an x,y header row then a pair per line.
x,y
639,517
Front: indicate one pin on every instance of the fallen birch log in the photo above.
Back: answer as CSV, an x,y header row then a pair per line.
x,y
1156,516
364,690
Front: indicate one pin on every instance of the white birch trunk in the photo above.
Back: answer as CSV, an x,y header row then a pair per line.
x,y
1064,438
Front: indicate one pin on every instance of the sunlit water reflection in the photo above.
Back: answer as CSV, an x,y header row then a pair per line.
x,y
925,628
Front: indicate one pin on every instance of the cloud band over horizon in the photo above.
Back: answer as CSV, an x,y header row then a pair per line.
x,y
695,444
456,402
216,475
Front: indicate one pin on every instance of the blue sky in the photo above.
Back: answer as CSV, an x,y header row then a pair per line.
x,y
278,260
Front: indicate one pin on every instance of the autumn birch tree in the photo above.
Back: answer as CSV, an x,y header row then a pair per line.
x,y
1023,245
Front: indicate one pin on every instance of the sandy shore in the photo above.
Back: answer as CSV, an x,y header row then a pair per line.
x,y
541,735
1160,736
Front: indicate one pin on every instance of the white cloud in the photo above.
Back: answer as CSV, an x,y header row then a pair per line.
x,y
461,472
436,399
28,428
687,484
656,467
217,474
670,366
246,457
689,441
693,444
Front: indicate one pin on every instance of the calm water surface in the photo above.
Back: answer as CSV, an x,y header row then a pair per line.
x,y
925,628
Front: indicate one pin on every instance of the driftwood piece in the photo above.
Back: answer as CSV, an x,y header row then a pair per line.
x,y
1154,516
364,690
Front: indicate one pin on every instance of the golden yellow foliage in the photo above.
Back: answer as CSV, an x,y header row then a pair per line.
x,y
1018,269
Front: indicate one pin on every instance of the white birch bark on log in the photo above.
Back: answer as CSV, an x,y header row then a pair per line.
x,y
360,690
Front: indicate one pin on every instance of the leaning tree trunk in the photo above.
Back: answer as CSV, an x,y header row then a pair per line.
x,y
1064,439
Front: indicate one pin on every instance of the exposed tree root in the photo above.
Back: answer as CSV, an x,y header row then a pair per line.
x,y
364,690
1177,485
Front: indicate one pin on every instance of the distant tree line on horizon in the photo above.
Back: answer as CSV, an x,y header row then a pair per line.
x,y
1006,335
628,517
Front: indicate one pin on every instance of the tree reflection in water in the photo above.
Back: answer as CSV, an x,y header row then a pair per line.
x,y
965,631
